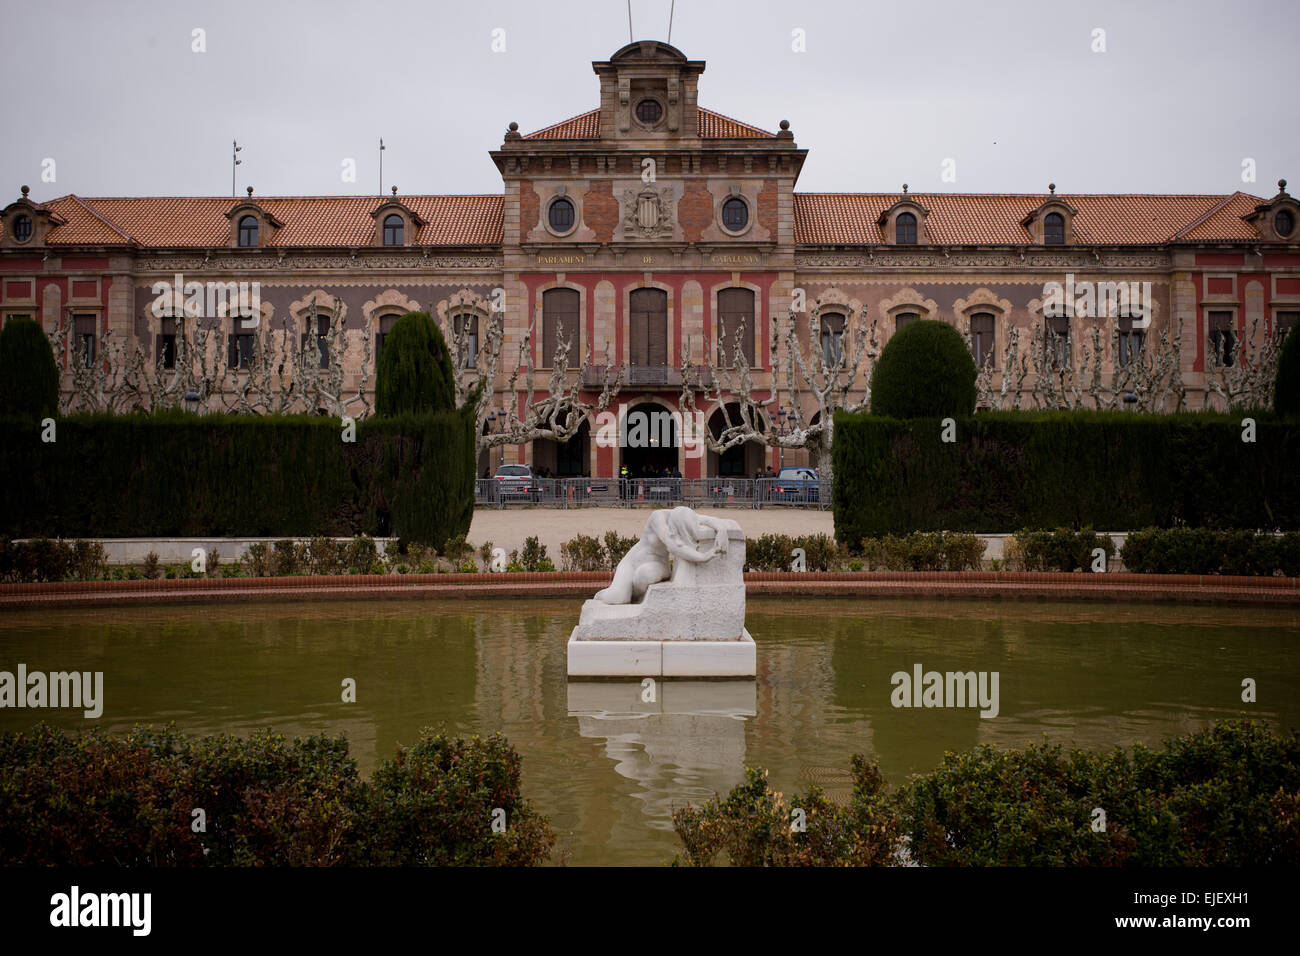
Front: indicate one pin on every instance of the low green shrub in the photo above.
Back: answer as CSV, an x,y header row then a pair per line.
x,y
583,553
775,552
1228,795
289,557
1209,551
41,559
127,801
616,545
534,554
1059,550
924,551
257,559
360,555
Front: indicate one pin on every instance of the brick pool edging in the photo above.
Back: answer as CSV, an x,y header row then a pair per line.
x,y
1028,585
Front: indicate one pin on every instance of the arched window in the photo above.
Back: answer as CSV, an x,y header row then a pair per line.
x,y
905,229
322,323
23,228
833,338
386,323
904,318
248,231
1054,229
649,320
394,230
982,338
465,331
735,310
560,318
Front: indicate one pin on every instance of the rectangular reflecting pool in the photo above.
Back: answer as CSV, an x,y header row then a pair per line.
x,y
607,761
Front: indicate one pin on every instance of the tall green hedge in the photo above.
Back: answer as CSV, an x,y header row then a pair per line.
x,y
180,475
1286,386
1111,470
29,379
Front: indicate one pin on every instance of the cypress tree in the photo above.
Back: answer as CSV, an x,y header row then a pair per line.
x,y
29,379
414,372
925,371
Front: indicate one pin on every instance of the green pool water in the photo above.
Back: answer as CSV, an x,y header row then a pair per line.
x,y
605,764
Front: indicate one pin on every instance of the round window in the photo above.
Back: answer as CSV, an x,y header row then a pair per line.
x,y
23,228
649,112
560,215
1284,223
735,214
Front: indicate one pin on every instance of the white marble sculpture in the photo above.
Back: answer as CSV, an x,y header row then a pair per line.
x,y
676,606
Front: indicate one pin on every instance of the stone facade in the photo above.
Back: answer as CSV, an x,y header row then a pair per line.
x,y
668,196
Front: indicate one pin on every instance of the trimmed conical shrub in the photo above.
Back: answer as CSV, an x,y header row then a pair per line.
x,y
29,379
1286,389
925,371
414,372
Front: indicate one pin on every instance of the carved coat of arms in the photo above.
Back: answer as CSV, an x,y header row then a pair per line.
x,y
648,214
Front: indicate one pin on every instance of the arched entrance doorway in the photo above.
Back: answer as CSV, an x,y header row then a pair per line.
x,y
738,461
566,459
649,440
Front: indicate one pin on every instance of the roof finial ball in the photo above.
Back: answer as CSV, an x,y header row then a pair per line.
x,y
250,192
514,127
904,189
1051,188
1281,184
26,190
394,190
785,124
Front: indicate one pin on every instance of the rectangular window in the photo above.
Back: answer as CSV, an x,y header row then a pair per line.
x,y
466,330
832,339
982,338
165,344
322,340
84,330
1130,342
1283,322
735,314
1223,339
239,350
386,323
649,327
560,321
1058,341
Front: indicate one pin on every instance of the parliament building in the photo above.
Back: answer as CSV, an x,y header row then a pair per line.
x,y
651,227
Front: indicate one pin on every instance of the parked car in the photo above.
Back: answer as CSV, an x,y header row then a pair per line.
x,y
795,484
516,481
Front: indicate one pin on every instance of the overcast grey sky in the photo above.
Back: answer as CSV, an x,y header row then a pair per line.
x,y
1011,91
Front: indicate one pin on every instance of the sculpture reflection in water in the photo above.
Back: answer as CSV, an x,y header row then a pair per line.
x,y
681,741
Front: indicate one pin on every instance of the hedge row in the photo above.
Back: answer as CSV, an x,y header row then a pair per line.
x,y
96,799
1203,551
1226,796
180,475
1111,470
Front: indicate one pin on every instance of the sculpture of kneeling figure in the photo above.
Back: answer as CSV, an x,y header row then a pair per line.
x,y
667,533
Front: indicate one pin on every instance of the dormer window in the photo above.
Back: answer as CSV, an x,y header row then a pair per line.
x,y
1054,229
22,228
394,230
248,231
1284,223
905,229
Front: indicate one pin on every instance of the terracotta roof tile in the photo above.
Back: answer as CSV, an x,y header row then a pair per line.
x,y
160,221
711,126
995,219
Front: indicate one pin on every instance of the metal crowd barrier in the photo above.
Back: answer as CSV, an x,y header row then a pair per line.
x,y
716,492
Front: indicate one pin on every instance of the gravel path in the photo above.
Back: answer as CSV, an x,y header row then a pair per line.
x,y
507,528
